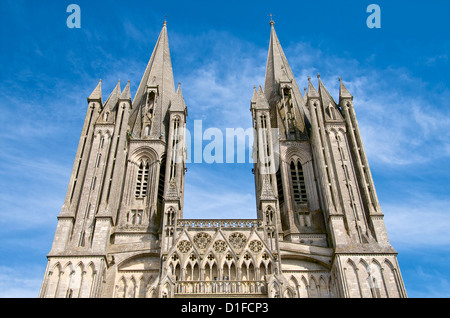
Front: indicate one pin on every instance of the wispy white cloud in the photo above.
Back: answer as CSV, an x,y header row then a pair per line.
x,y
417,225
402,119
213,193
20,282
427,283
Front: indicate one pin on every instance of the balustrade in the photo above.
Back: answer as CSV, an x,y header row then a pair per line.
x,y
205,224
221,287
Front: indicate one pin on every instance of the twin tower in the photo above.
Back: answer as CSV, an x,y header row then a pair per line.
x,y
319,229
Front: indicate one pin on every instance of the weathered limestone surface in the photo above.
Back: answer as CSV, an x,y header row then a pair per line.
x,y
319,230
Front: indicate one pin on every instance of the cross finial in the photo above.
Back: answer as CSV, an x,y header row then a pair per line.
x,y
165,19
271,20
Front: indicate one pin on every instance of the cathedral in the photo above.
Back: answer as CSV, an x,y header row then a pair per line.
x,y
318,232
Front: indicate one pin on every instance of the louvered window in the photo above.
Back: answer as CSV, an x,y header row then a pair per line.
x,y
142,180
298,183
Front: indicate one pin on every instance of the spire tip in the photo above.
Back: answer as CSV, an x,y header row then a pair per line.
x,y
271,20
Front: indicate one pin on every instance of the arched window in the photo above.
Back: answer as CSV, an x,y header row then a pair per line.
x,y
269,216
142,180
147,130
162,177
298,182
175,139
280,187
151,102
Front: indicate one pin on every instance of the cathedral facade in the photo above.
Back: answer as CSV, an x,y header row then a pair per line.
x,y
318,232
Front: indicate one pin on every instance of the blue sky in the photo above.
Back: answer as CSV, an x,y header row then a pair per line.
x,y
398,75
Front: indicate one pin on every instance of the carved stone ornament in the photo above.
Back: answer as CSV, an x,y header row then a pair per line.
x,y
237,240
184,246
202,240
220,246
256,246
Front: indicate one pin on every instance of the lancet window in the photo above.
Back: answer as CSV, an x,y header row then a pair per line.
x,y
298,182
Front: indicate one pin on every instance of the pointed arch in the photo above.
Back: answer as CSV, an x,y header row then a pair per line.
x,y
88,281
142,289
262,271
294,285
375,280
274,290
323,288
303,288
289,293
364,279
53,280
391,279
131,288
77,280
313,288
65,281
121,288
351,276
270,215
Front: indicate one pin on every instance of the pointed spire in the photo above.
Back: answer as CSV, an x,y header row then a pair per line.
x,y
261,101
255,94
178,103
324,94
343,92
126,94
266,189
97,93
159,69
311,90
277,69
172,192
157,78
113,98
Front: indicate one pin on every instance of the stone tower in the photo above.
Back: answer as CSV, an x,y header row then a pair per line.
x,y
319,230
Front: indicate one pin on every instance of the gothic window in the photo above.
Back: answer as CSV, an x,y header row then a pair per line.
x,y
265,132
265,148
170,217
151,101
147,130
135,217
142,180
269,216
280,187
162,177
298,182
176,126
